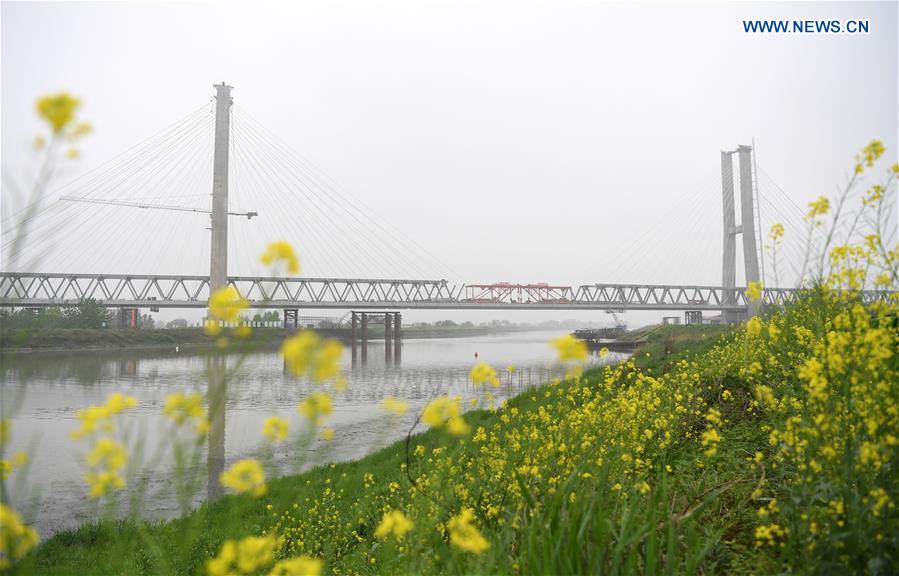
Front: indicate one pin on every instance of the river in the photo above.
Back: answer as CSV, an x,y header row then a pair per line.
x,y
44,391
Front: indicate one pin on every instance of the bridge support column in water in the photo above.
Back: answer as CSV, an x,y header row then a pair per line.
x,y
291,317
364,337
397,338
354,320
388,334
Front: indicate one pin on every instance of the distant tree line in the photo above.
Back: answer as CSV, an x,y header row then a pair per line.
x,y
87,313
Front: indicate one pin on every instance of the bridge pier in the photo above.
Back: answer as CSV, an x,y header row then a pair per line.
x,y
354,320
397,338
388,334
291,316
364,338
129,318
393,336
693,317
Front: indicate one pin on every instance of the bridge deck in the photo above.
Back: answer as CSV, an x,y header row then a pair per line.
x,y
167,291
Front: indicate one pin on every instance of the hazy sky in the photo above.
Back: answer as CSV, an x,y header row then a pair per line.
x,y
561,142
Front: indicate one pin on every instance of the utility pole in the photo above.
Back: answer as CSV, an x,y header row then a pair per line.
x,y
218,265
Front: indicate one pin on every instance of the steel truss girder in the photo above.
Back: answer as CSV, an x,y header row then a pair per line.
x,y
38,289
21,289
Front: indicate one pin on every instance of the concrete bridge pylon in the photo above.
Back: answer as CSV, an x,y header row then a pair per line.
x,y
218,260
731,229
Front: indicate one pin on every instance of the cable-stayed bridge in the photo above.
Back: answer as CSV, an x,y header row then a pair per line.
x,y
161,177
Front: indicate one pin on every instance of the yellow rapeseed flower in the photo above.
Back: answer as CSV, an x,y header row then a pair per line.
x,y
872,152
7,467
104,462
297,566
394,523
777,231
107,453
484,373
326,364
118,402
16,538
570,348
306,354
818,207
254,552
245,476
223,563
180,407
754,326
457,426
394,405
103,481
226,304
315,406
754,291
299,351
246,556
58,110
275,429
445,411
281,251
100,416
464,534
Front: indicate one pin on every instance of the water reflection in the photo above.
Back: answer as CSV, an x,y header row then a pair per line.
x,y
47,389
217,398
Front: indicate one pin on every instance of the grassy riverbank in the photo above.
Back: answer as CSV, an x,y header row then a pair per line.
x,y
732,454
184,545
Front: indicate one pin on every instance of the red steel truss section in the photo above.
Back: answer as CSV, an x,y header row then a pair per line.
x,y
518,293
